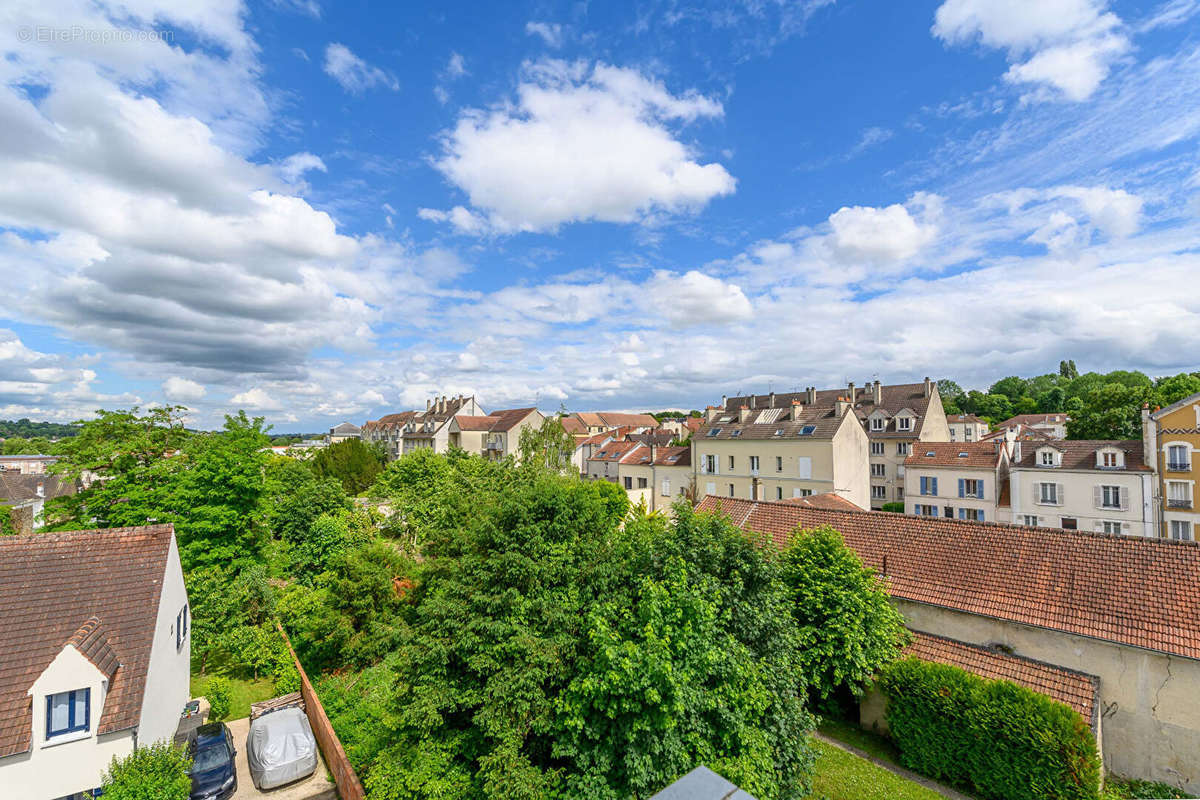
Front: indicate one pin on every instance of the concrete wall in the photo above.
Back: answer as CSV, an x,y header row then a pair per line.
x,y
69,763
1149,702
167,677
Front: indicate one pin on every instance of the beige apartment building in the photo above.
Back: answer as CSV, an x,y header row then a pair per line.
x,y
895,418
406,431
1097,486
773,451
1171,442
956,480
656,476
496,435
966,427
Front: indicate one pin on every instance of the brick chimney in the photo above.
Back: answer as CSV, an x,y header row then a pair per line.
x,y
797,409
843,405
743,413
712,412
850,392
877,393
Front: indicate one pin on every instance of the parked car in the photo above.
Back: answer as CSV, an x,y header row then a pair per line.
x,y
280,748
213,774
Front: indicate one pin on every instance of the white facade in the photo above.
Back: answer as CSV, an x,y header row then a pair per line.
x,y
952,492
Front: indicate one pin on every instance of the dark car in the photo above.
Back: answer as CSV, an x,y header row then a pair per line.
x,y
213,774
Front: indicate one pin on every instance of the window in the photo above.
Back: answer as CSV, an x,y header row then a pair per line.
x,y
877,423
801,492
876,448
181,627
1108,459
929,486
807,430
710,465
971,514
735,433
666,487
731,463
1110,527
67,712
899,492
779,463
754,464
948,512
879,493
642,483
1069,524
903,448
1029,519
904,424
1179,458
629,483
1110,496
778,492
925,511
970,487
731,490
1179,494
1048,494
1046,458
804,467
878,470
713,431
1181,530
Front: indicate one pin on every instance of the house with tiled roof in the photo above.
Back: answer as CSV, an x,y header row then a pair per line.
x,y
27,494
1123,610
342,432
495,435
1171,444
1094,485
1053,425
771,449
26,464
966,427
895,418
656,475
95,653
406,431
957,480
593,422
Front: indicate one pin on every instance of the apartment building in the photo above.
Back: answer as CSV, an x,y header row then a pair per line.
x,y
1091,485
605,463
410,430
656,476
767,449
956,480
966,427
1053,425
1171,442
895,419
496,435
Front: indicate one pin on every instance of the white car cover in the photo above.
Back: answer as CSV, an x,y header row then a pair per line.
x,y
280,748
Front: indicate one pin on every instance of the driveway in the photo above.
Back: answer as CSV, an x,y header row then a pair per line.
x,y
318,786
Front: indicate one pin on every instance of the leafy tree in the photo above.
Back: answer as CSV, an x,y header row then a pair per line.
x,y
1068,370
1174,388
949,391
548,447
294,497
848,629
157,771
219,695
1012,387
1111,411
43,431
353,462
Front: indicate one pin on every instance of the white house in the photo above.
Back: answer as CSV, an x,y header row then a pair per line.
x,y
95,654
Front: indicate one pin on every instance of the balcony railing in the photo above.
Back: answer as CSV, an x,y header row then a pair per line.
x,y
1179,503
1179,466
494,446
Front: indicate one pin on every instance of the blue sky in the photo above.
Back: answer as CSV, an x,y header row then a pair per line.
x,y
321,211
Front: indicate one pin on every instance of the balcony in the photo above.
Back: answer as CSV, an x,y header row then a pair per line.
x,y
1179,466
494,446
1171,503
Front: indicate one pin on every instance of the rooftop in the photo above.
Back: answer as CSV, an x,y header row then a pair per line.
x,y
970,455
1080,454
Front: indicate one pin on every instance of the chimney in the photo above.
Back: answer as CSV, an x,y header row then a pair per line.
x,y
752,398
771,400
41,489
743,412
1149,439
443,411
812,395
653,452
850,393
843,405
428,404
724,401
797,409
928,387
712,412
877,393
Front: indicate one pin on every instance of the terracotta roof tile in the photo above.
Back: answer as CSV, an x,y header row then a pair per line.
x,y
52,585
973,455
1075,689
827,500
1130,590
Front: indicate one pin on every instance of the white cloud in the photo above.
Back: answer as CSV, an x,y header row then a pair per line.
x,y
879,235
294,166
579,144
549,32
456,67
182,390
698,299
1114,211
1068,45
256,399
354,74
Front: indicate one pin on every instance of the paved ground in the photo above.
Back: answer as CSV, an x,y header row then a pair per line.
x,y
933,785
317,786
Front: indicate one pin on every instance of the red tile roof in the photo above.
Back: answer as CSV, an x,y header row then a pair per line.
x,y
1075,689
1126,589
978,455
52,585
613,451
826,500
469,423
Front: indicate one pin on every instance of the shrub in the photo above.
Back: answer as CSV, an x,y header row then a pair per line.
x,y
993,738
219,696
152,772
895,508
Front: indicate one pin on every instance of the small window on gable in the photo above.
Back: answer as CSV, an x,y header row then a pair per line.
x,y
1046,458
68,712
962,454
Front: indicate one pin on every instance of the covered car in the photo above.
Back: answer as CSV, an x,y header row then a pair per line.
x,y
280,748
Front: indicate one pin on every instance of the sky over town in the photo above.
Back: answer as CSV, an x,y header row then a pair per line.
x,y
320,211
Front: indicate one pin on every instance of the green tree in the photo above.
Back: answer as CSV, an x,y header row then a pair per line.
x,y
847,626
294,496
548,447
1068,370
157,771
1012,387
352,462
1110,411
219,694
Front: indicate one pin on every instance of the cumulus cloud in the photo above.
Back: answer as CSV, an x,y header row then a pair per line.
x,y
255,399
1066,45
182,390
294,166
699,299
579,143
880,235
354,74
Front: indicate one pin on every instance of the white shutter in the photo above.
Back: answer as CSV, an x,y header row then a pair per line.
x,y
796,493
666,487
1097,496
1061,494
1123,498
805,464
710,488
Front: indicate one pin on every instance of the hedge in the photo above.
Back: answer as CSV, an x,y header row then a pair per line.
x,y
993,738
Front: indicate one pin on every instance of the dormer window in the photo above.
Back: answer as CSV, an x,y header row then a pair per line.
x,y
68,712
1046,458
1109,459
904,423
877,423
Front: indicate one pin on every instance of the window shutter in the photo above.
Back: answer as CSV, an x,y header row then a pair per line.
x,y
962,488
979,489
924,485
962,512
1098,496
805,466
933,486
1122,498
710,488
1061,494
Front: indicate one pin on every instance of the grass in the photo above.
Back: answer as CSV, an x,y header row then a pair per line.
x,y
244,692
844,776
853,735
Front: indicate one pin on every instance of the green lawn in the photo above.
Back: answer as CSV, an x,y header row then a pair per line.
x,y
243,691
843,776
851,734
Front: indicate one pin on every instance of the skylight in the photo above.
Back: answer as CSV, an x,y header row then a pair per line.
x,y
930,454
963,454
807,430
713,431
735,433
779,431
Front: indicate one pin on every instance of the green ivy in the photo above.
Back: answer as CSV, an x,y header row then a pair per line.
x,y
995,739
